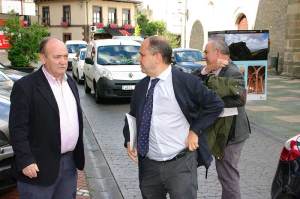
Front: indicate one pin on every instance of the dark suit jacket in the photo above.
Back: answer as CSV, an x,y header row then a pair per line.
x,y
34,128
241,128
199,105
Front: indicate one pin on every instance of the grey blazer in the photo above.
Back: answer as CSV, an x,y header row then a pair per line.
x,y
241,129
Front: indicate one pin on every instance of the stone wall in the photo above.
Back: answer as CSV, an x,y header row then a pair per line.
x,y
272,16
292,45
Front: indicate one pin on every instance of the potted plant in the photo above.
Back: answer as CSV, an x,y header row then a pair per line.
x,y
24,43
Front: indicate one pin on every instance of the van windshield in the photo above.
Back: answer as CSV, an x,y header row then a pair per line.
x,y
118,55
74,48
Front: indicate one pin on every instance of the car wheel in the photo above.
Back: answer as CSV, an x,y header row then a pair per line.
x,y
86,87
78,79
97,96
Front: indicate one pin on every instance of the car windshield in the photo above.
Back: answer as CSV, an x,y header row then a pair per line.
x,y
82,55
74,48
188,56
118,55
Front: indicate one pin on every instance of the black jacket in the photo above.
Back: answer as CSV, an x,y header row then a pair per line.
x,y
34,127
200,106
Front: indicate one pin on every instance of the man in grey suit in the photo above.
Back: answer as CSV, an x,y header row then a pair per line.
x,y
219,64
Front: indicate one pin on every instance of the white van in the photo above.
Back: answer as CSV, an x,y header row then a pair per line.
x,y
112,68
73,47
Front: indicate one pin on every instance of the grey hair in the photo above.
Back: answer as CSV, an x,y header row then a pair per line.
x,y
160,45
220,45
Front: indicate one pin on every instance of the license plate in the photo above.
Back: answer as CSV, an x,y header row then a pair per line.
x,y
128,87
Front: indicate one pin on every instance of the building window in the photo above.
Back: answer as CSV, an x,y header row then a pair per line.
x,y
97,15
126,16
45,16
67,36
66,14
112,15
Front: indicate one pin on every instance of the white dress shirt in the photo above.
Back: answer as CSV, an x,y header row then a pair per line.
x,y
169,128
68,115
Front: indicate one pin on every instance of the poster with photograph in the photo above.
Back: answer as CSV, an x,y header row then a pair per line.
x,y
249,51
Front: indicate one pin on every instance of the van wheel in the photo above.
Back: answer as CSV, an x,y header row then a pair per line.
x,y
86,87
97,96
78,80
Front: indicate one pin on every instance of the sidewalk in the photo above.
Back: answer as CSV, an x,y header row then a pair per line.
x,y
279,115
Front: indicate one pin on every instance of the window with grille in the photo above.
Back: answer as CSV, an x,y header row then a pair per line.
x,y
66,14
45,15
112,16
126,16
97,15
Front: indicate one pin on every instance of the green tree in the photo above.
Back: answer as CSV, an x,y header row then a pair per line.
x,y
24,41
148,28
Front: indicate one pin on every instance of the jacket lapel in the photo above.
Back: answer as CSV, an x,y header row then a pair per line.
x,y
142,94
46,91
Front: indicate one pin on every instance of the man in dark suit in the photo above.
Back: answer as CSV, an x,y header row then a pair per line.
x,y
219,64
45,127
172,109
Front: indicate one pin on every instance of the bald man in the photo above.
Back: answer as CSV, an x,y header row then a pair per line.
x,y
45,127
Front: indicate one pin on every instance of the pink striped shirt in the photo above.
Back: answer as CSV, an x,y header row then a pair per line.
x,y
68,115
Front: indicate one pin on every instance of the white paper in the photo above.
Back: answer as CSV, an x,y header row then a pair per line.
x,y
132,130
229,112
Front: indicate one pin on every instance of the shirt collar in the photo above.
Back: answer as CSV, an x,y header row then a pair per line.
x,y
164,75
50,77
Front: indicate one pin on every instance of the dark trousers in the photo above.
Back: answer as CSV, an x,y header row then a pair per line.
x,y
177,177
228,172
63,188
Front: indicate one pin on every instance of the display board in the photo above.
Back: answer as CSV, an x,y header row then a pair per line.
x,y
249,51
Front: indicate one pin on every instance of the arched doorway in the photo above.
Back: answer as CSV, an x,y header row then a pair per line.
x,y
242,22
197,36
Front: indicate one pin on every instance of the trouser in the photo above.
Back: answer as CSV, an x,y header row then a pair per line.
x,y
64,186
228,173
177,177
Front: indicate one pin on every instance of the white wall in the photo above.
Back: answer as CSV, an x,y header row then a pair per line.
x,y
213,14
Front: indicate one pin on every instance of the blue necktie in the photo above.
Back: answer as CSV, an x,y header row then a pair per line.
x,y
143,136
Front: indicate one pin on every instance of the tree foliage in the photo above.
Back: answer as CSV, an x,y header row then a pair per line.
x,y
148,28
24,41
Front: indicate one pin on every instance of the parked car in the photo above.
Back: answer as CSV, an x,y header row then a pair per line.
x,y
5,82
112,68
187,59
14,75
73,47
6,151
286,183
78,62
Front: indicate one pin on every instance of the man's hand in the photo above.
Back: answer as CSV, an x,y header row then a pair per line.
x,y
31,171
192,141
131,153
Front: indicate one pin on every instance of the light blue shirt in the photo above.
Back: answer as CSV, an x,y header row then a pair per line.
x,y
169,128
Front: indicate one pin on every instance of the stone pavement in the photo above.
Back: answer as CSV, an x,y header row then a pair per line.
x,y
273,121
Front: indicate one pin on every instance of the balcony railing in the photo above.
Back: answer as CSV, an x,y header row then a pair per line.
x,y
65,24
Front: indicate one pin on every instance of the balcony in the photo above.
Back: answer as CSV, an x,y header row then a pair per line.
x,y
127,26
65,24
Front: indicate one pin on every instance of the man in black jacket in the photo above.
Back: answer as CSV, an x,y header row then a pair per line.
x,y
219,64
172,109
45,127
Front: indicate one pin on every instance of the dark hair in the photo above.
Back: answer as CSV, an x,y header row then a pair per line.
x,y
43,43
160,45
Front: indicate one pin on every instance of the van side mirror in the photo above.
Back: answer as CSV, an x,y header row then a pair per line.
x,y
89,60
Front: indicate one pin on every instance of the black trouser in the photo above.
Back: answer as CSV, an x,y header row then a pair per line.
x,y
177,177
